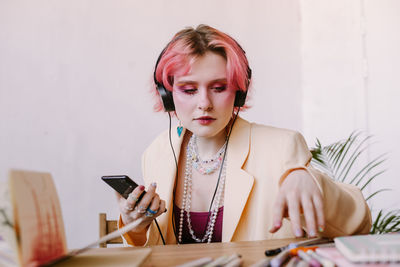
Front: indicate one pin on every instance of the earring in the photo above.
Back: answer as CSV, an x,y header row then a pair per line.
x,y
179,129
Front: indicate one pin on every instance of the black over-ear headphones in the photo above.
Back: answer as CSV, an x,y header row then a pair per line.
x,y
168,100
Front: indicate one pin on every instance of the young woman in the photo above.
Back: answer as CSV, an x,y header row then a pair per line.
x,y
233,180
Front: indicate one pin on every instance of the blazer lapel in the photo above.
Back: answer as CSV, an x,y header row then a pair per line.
x,y
168,168
167,165
238,183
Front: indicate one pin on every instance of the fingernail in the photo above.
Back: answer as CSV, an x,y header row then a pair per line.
x,y
312,233
320,229
299,233
141,188
154,184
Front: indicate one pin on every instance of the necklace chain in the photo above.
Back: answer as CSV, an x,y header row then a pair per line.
x,y
187,197
204,166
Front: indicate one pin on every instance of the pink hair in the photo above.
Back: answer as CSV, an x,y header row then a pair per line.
x,y
189,44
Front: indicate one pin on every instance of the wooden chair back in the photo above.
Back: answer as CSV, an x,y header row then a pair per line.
x,y
106,227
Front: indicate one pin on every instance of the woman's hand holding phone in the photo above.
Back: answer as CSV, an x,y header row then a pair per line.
x,y
148,207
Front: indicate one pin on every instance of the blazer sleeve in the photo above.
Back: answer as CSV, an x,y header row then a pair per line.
x,y
345,209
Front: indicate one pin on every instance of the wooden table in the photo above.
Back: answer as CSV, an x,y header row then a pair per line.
x,y
172,255
251,251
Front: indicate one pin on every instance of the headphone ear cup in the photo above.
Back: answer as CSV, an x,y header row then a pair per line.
x,y
166,98
240,98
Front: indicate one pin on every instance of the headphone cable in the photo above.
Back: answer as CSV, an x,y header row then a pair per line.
x,y
159,230
155,220
220,170
176,179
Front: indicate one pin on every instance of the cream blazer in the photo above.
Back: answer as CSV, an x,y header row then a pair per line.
x,y
259,157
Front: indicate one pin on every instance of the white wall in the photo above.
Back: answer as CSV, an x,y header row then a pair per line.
x,y
383,94
332,69
351,79
75,76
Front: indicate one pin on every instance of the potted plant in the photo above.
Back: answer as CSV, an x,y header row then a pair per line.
x,y
342,161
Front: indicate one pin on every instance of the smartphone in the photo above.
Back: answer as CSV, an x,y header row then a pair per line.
x,y
122,184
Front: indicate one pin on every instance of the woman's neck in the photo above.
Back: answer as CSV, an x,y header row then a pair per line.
x,y
209,146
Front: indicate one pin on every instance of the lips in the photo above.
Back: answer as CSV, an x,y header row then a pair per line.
x,y
205,120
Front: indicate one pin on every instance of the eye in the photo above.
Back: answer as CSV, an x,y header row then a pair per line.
x,y
189,91
219,88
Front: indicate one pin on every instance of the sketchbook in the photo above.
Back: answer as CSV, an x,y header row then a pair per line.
x,y
370,248
334,255
35,230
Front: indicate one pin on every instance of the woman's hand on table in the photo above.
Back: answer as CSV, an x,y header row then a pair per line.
x,y
299,194
148,208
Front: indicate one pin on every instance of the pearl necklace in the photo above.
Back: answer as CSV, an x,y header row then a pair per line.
x,y
203,166
187,200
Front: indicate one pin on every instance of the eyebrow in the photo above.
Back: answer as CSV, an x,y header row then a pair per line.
x,y
194,82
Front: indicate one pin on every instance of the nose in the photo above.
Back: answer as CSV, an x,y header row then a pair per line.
x,y
204,101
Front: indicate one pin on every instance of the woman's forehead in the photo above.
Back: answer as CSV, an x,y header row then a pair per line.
x,y
210,66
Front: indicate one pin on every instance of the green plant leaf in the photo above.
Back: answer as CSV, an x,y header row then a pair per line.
x,y
376,222
376,192
366,170
353,158
344,149
340,159
371,178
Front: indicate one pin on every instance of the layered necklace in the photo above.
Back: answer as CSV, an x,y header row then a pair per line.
x,y
205,167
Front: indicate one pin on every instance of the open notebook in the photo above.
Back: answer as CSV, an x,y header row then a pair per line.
x,y
38,235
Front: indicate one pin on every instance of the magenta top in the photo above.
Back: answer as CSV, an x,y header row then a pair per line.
x,y
199,221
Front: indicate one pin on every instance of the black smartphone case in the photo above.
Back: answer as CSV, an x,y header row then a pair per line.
x,y
121,183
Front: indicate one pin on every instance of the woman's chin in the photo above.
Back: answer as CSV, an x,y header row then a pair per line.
x,y
207,132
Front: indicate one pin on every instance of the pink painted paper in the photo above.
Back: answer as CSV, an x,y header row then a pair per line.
x,y
38,219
